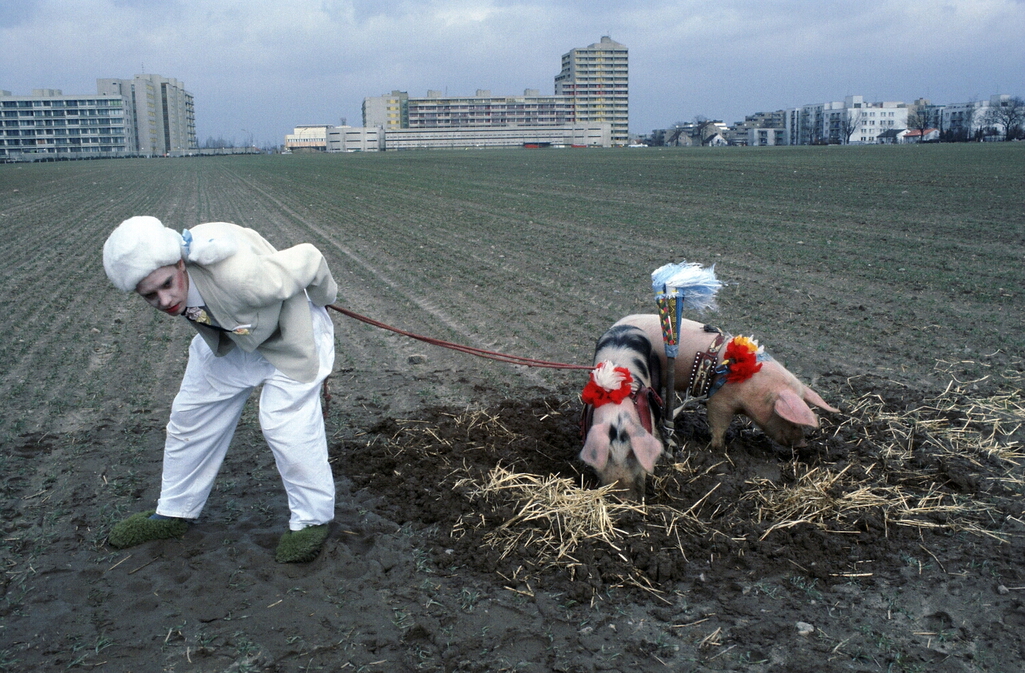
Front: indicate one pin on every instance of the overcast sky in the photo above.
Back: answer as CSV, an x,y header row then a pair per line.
x,y
261,67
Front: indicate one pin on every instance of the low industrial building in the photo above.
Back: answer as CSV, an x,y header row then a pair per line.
x,y
354,139
570,135
308,138
325,138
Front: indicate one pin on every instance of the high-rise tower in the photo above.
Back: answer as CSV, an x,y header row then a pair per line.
x,y
597,79
162,111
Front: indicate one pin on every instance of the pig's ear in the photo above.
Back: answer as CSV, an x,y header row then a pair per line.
x,y
812,397
792,408
646,448
596,448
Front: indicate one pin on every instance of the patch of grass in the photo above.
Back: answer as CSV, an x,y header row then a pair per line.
x,y
809,587
468,599
765,588
8,661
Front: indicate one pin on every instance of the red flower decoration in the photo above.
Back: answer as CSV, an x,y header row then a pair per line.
x,y
608,384
741,359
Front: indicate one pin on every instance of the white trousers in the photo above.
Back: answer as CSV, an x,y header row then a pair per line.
x,y
205,413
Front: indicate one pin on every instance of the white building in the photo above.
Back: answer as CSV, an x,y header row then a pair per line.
x,y
321,137
484,110
971,119
851,121
757,136
50,125
870,120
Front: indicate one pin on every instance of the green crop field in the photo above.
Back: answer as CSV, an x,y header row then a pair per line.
x,y
870,260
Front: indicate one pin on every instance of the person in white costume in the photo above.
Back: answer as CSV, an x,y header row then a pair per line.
x,y
260,317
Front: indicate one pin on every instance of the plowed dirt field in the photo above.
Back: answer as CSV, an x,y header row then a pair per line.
x,y
888,278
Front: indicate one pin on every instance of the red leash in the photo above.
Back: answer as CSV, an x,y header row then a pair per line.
x,y
479,352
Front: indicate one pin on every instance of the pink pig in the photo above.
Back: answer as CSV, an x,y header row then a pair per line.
x,y
617,445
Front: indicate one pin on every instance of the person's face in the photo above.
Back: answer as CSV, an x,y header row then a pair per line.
x,y
166,288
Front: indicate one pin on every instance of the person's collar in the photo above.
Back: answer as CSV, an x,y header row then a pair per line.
x,y
193,298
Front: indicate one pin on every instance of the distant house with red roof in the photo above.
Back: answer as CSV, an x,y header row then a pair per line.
x,y
920,136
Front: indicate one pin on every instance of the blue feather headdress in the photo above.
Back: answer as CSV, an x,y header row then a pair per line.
x,y
689,283
680,286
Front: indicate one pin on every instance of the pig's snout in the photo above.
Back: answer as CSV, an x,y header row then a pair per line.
x,y
785,433
622,453
628,481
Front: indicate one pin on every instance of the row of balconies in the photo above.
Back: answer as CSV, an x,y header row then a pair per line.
x,y
59,133
611,67
24,104
429,114
51,114
487,108
575,91
43,142
61,123
490,121
99,149
599,85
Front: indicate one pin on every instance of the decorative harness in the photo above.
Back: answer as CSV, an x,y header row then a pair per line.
x,y
707,376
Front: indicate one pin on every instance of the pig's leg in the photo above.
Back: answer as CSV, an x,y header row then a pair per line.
x,y
719,418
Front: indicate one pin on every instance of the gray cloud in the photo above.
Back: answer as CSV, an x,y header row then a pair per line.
x,y
267,65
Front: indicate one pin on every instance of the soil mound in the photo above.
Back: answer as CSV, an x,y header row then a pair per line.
x,y
499,491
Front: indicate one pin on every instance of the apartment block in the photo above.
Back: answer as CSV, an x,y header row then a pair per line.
x,y
482,110
852,120
759,130
482,120
592,90
50,125
596,78
966,120
162,111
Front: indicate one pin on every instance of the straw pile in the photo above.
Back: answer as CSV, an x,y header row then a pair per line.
x,y
553,515
931,464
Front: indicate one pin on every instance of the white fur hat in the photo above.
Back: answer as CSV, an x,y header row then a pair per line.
x,y
141,245
138,247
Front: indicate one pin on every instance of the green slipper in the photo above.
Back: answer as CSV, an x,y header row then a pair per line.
x,y
140,528
301,546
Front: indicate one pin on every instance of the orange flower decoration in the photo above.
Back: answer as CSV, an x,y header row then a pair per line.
x,y
741,359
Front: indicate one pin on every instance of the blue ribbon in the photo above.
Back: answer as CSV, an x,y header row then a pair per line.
x,y
187,242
